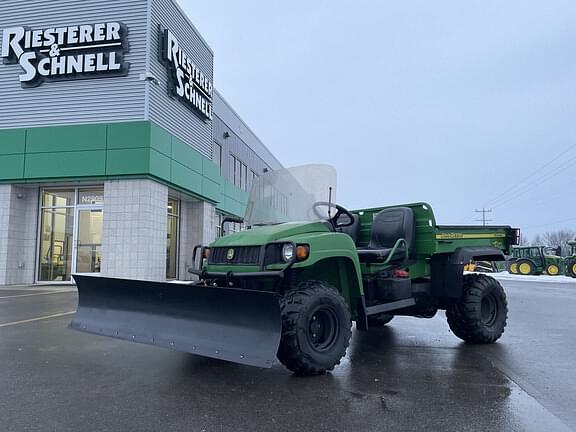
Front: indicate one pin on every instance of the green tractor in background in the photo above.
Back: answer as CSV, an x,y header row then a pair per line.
x,y
535,260
570,260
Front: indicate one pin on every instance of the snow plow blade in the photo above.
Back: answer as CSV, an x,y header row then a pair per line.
x,y
241,326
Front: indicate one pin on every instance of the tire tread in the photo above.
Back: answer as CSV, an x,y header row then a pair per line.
x,y
289,352
461,315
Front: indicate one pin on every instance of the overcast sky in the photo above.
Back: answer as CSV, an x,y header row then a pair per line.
x,y
449,102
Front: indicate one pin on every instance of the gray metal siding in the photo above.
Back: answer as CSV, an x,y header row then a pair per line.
x,y
261,155
164,110
81,101
125,98
235,145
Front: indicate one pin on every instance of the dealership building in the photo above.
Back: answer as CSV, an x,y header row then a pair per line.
x,y
117,155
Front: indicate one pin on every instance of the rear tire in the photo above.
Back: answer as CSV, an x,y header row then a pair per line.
x,y
379,321
316,328
513,268
526,267
480,315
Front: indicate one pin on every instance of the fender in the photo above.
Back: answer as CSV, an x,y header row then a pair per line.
x,y
463,255
447,270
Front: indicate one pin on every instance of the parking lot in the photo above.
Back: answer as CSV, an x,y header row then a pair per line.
x,y
413,375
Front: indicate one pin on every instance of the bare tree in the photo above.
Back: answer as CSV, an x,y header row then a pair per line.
x,y
558,238
537,240
524,241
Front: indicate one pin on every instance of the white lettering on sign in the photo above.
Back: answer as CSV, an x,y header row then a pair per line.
x,y
91,199
187,82
66,52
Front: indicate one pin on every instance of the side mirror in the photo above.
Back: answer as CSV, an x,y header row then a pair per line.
x,y
343,221
229,219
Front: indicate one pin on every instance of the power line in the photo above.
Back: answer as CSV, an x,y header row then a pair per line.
x,y
483,211
551,223
535,183
521,182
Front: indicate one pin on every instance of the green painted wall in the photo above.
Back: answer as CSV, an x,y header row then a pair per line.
x,y
115,150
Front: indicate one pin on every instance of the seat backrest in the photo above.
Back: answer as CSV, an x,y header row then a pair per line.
x,y
391,224
352,230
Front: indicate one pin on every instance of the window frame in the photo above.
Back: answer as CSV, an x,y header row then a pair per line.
x,y
177,217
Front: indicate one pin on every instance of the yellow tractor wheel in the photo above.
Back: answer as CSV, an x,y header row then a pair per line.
x,y
514,268
553,270
525,268
574,269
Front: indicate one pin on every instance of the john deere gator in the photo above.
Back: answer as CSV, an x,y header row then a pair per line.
x,y
290,286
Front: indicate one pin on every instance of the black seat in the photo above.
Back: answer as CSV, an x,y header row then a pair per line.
x,y
352,230
388,226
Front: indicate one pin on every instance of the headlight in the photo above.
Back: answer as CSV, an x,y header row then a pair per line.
x,y
288,252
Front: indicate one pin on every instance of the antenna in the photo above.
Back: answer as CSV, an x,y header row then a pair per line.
x,y
330,202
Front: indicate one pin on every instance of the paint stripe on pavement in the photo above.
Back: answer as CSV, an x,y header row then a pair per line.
x,y
35,294
13,323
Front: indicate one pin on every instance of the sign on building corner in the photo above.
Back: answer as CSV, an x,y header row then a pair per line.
x,y
66,53
186,82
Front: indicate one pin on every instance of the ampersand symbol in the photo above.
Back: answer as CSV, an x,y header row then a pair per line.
x,y
54,51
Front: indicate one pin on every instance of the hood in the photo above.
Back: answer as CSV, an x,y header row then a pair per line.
x,y
266,234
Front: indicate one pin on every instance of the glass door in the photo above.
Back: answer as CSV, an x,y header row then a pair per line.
x,y
87,253
56,234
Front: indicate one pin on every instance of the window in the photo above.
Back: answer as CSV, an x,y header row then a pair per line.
x,y
59,198
91,196
219,219
252,178
172,239
235,227
235,171
244,177
217,155
239,173
230,227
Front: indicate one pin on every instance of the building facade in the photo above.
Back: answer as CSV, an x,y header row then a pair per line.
x,y
117,155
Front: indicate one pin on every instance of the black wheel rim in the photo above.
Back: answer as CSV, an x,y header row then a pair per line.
x,y
489,310
322,329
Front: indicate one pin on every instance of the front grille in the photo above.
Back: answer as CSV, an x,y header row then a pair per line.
x,y
242,255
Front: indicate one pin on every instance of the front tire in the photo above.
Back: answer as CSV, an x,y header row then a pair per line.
x,y
316,328
480,316
553,270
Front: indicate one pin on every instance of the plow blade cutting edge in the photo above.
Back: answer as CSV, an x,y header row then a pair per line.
x,y
241,326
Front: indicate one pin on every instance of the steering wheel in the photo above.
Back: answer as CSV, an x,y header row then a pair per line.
x,y
339,212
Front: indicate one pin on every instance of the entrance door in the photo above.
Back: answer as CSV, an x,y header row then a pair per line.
x,y
56,240
87,253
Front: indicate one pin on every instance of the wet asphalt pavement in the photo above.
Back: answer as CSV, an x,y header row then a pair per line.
x,y
412,375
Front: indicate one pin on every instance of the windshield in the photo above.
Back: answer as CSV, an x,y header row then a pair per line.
x,y
290,195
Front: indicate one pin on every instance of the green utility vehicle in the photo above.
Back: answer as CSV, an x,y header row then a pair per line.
x,y
535,260
570,260
290,286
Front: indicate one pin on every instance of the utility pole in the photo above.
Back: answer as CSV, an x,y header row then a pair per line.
x,y
483,211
